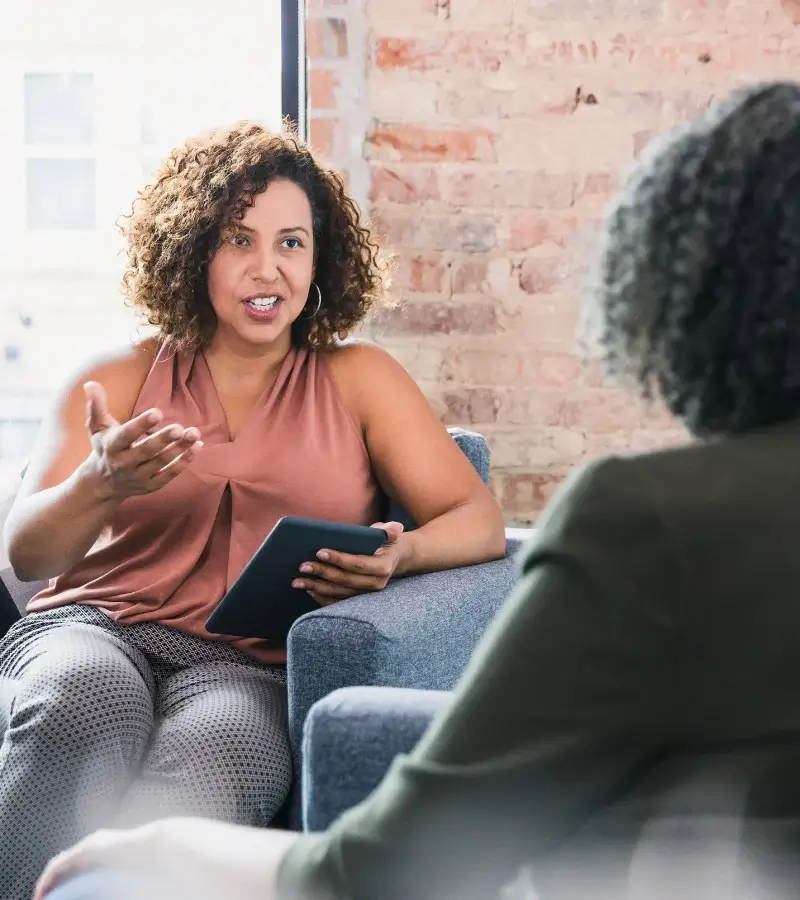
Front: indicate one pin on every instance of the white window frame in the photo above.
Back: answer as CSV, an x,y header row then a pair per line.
x,y
116,151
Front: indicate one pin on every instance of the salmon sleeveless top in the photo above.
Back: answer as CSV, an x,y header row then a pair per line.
x,y
171,555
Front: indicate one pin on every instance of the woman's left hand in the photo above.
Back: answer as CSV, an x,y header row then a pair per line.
x,y
336,576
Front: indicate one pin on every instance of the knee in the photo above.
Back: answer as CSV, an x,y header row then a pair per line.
x,y
82,695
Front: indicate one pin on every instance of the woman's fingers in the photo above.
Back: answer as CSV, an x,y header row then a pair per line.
x,y
165,450
174,468
125,435
323,592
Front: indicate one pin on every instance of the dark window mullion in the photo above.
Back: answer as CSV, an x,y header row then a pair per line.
x,y
293,64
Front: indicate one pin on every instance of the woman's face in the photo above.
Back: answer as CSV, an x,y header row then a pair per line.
x,y
259,279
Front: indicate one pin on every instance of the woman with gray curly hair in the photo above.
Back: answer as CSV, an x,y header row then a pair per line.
x,y
637,698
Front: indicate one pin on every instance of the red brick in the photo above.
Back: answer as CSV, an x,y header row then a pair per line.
x,y
606,183
420,274
539,11
411,184
471,406
529,230
543,275
423,362
537,447
469,275
732,12
550,324
574,407
439,318
322,134
468,100
322,87
528,493
428,276
557,370
668,106
465,233
672,51
510,188
440,51
413,143
494,367
326,38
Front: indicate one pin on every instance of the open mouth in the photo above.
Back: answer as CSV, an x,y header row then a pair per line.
x,y
262,309
262,304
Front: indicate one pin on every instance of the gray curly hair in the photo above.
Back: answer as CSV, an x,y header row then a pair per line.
x,y
697,292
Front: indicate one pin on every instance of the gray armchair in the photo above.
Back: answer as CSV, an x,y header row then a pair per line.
x,y
418,633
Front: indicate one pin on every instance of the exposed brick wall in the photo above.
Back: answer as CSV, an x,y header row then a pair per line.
x,y
485,137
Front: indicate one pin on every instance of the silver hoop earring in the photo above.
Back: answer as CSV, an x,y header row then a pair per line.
x,y
319,301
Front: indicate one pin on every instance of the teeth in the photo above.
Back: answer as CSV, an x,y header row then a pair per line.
x,y
263,302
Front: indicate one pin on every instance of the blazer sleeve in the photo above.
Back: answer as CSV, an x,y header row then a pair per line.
x,y
567,696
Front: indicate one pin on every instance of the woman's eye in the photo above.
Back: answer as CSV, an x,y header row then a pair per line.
x,y
239,240
292,243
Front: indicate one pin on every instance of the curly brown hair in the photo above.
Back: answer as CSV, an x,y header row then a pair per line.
x,y
178,221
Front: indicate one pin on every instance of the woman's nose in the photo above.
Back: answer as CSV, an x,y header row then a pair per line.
x,y
264,266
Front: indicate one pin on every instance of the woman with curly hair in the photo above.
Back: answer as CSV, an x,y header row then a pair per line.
x,y
160,471
630,726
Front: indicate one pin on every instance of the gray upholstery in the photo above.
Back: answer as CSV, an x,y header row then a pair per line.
x,y
351,737
418,633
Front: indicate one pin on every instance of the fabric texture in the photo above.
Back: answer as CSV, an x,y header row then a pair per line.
x,y
170,556
419,632
351,738
640,680
114,725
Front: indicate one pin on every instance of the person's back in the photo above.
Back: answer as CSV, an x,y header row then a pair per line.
x,y
696,550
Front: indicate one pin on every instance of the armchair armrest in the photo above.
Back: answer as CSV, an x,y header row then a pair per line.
x,y
14,596
418,633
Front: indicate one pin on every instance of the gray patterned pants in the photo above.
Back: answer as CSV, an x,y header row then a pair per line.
x,y
106,725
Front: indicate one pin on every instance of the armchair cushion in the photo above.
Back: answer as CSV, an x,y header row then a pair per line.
x,y
350,739
418,633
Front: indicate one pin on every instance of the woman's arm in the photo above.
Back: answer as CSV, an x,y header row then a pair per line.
x,y
419,465
63,503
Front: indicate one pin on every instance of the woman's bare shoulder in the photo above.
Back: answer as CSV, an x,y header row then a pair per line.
x,y
356,355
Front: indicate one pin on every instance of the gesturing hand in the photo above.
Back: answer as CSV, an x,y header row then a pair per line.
x,y
129,459
336,576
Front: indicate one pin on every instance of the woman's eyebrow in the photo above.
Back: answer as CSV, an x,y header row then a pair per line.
x,y
294,228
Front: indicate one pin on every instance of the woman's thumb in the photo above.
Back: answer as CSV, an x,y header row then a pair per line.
x,y
98,417
393,530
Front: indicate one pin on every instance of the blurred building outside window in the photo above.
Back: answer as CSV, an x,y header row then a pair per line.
x,y
89,107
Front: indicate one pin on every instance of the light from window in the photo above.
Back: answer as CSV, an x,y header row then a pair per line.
x,y
59,109
61,194
150,165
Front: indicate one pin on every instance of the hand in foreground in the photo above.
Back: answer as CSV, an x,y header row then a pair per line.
x,y
336,576
128,459
197,858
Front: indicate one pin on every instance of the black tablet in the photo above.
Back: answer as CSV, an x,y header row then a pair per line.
x,y
262,602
